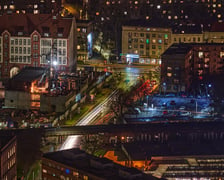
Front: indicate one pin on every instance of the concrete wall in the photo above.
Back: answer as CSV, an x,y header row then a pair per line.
x,y
17,99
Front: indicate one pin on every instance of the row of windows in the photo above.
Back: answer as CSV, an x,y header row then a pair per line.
x,y
20,59
11,163
189,39
202,54
60,60
11,151
20,41
141,53
60,43
20,50
141,46
130,34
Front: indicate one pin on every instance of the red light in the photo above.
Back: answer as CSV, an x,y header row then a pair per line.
x,y
105,69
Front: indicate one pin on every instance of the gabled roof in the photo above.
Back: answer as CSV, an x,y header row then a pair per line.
x,y
28,23
175,49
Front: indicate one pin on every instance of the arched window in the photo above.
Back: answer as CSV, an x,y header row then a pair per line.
x,y
14,71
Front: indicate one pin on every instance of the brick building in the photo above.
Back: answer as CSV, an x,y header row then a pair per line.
x,y
41,40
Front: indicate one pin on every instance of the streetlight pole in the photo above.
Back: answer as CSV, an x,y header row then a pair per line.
x,y
196,106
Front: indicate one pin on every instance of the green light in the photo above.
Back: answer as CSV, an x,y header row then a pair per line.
x,y
166,36
147,41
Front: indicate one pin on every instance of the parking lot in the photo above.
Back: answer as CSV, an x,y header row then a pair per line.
x,y
172,108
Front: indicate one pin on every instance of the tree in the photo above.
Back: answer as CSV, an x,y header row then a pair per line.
x,y
92,143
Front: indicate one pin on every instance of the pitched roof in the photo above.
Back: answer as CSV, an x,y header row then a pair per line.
x,y
28,23
29,74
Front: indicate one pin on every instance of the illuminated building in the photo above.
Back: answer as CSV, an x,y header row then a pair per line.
x,y
34,6
185,67
24,89
84,39
142,44
8,157
145,43
189,33
173,68
41,40
215,34
76,164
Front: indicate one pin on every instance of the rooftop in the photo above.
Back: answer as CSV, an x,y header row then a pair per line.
x,y
28,74
26,24
101,167
5,139
177,49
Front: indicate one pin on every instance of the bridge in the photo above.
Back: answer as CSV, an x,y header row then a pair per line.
x,y
147,132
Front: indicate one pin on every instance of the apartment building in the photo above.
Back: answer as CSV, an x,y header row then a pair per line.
x,y
190,67
8,157
84,39
141,43
144,44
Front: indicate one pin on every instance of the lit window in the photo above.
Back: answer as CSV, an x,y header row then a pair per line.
x,y
200,54
169,74
147,41
222,54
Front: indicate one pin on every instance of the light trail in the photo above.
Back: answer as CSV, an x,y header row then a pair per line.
x,y
74,141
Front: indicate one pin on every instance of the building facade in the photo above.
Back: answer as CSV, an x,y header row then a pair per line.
x,y
196,63
84,40
205,61
173,68
8,158
144,44
42,40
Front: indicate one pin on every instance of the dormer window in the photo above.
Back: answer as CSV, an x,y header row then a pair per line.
x,y
46,31
35,38
60,32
